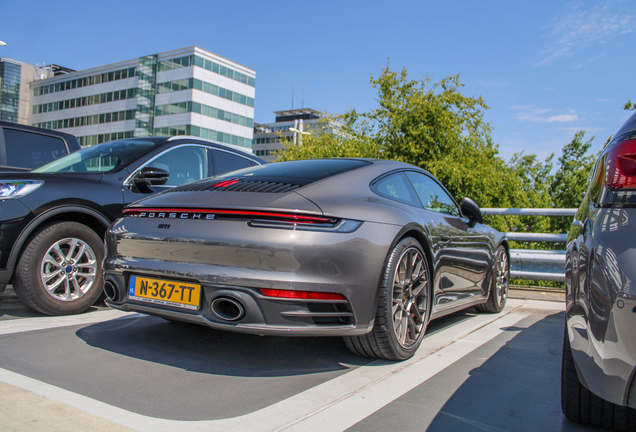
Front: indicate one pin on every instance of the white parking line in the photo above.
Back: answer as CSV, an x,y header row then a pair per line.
x,y
368,400
44,323
332,406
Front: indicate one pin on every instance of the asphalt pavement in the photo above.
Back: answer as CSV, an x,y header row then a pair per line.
x,y
109,371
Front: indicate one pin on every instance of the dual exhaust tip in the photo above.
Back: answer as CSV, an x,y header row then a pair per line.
x,y
226,308
111,291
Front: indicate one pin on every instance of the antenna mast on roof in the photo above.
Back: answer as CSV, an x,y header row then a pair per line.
x,y
292,96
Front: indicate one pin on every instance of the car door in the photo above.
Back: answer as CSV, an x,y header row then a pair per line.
x,y
184,163
463,253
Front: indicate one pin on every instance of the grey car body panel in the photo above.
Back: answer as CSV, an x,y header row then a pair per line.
x,y
222,255
601,300
601,294
233,258
221,200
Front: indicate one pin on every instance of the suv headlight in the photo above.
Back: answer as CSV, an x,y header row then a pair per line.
x,y
18,188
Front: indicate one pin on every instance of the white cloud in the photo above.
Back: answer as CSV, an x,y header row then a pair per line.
x,y
540,115
582,26
561,118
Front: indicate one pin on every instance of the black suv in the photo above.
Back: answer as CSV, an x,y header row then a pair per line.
x,y
53,218
24,147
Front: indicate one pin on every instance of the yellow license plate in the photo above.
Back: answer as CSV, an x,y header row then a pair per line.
x,y
165,292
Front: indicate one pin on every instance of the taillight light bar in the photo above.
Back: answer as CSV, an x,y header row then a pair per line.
x,y
620,167
180,213
301,295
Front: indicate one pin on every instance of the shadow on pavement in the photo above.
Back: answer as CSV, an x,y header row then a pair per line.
x,y
515,389
201,349
12,308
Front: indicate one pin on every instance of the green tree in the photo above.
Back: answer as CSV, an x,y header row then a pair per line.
x,y
570,180
436,127
433,126
629,105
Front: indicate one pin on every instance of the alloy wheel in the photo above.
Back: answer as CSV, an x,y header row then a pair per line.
x,y
502,275
410,297
68,269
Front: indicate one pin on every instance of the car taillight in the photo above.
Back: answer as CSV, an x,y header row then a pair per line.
x,y
620,168
302,295
187,213
254,218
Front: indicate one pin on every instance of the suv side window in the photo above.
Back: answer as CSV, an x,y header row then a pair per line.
x,y
432,195
395,187
185,164
226,162
30,150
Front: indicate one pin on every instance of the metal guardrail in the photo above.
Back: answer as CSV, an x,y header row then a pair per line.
x,y
532,264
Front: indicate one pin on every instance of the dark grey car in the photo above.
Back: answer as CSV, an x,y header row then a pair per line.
x,y
366,249
599,352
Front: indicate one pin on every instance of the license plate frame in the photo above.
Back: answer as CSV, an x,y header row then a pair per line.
x,y
166,292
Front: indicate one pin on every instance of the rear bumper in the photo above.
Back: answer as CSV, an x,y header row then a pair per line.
x,y
229,259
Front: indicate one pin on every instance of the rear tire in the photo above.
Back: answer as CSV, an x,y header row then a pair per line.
x,y
59,272
404,306
582,406
498,293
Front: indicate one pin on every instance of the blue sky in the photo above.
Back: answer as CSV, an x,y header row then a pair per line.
x,y
547,69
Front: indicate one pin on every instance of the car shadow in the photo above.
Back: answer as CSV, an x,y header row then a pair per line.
x,y
12,308
201,349
515,389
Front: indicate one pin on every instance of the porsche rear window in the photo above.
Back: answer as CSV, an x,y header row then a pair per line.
x,y
298,172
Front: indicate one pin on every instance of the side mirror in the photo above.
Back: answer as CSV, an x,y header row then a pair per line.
x,y
150,176
471,210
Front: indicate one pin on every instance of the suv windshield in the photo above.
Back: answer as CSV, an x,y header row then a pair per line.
x,y
102,158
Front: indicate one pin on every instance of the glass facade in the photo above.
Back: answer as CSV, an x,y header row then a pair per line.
x,y
88,120
86,100
204,133
267,140
193,83
146,90
86,81
195,107
269,152
90,140
9,91
193,60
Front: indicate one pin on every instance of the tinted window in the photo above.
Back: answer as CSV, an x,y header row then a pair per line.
x,y
30,150
394,187
302,171
101,158
431,194
185,164
225,162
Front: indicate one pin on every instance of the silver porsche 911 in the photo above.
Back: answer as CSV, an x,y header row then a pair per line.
x,y
366,249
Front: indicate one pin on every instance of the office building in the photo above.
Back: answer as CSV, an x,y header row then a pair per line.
x,y
15,94
188,91
290,125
